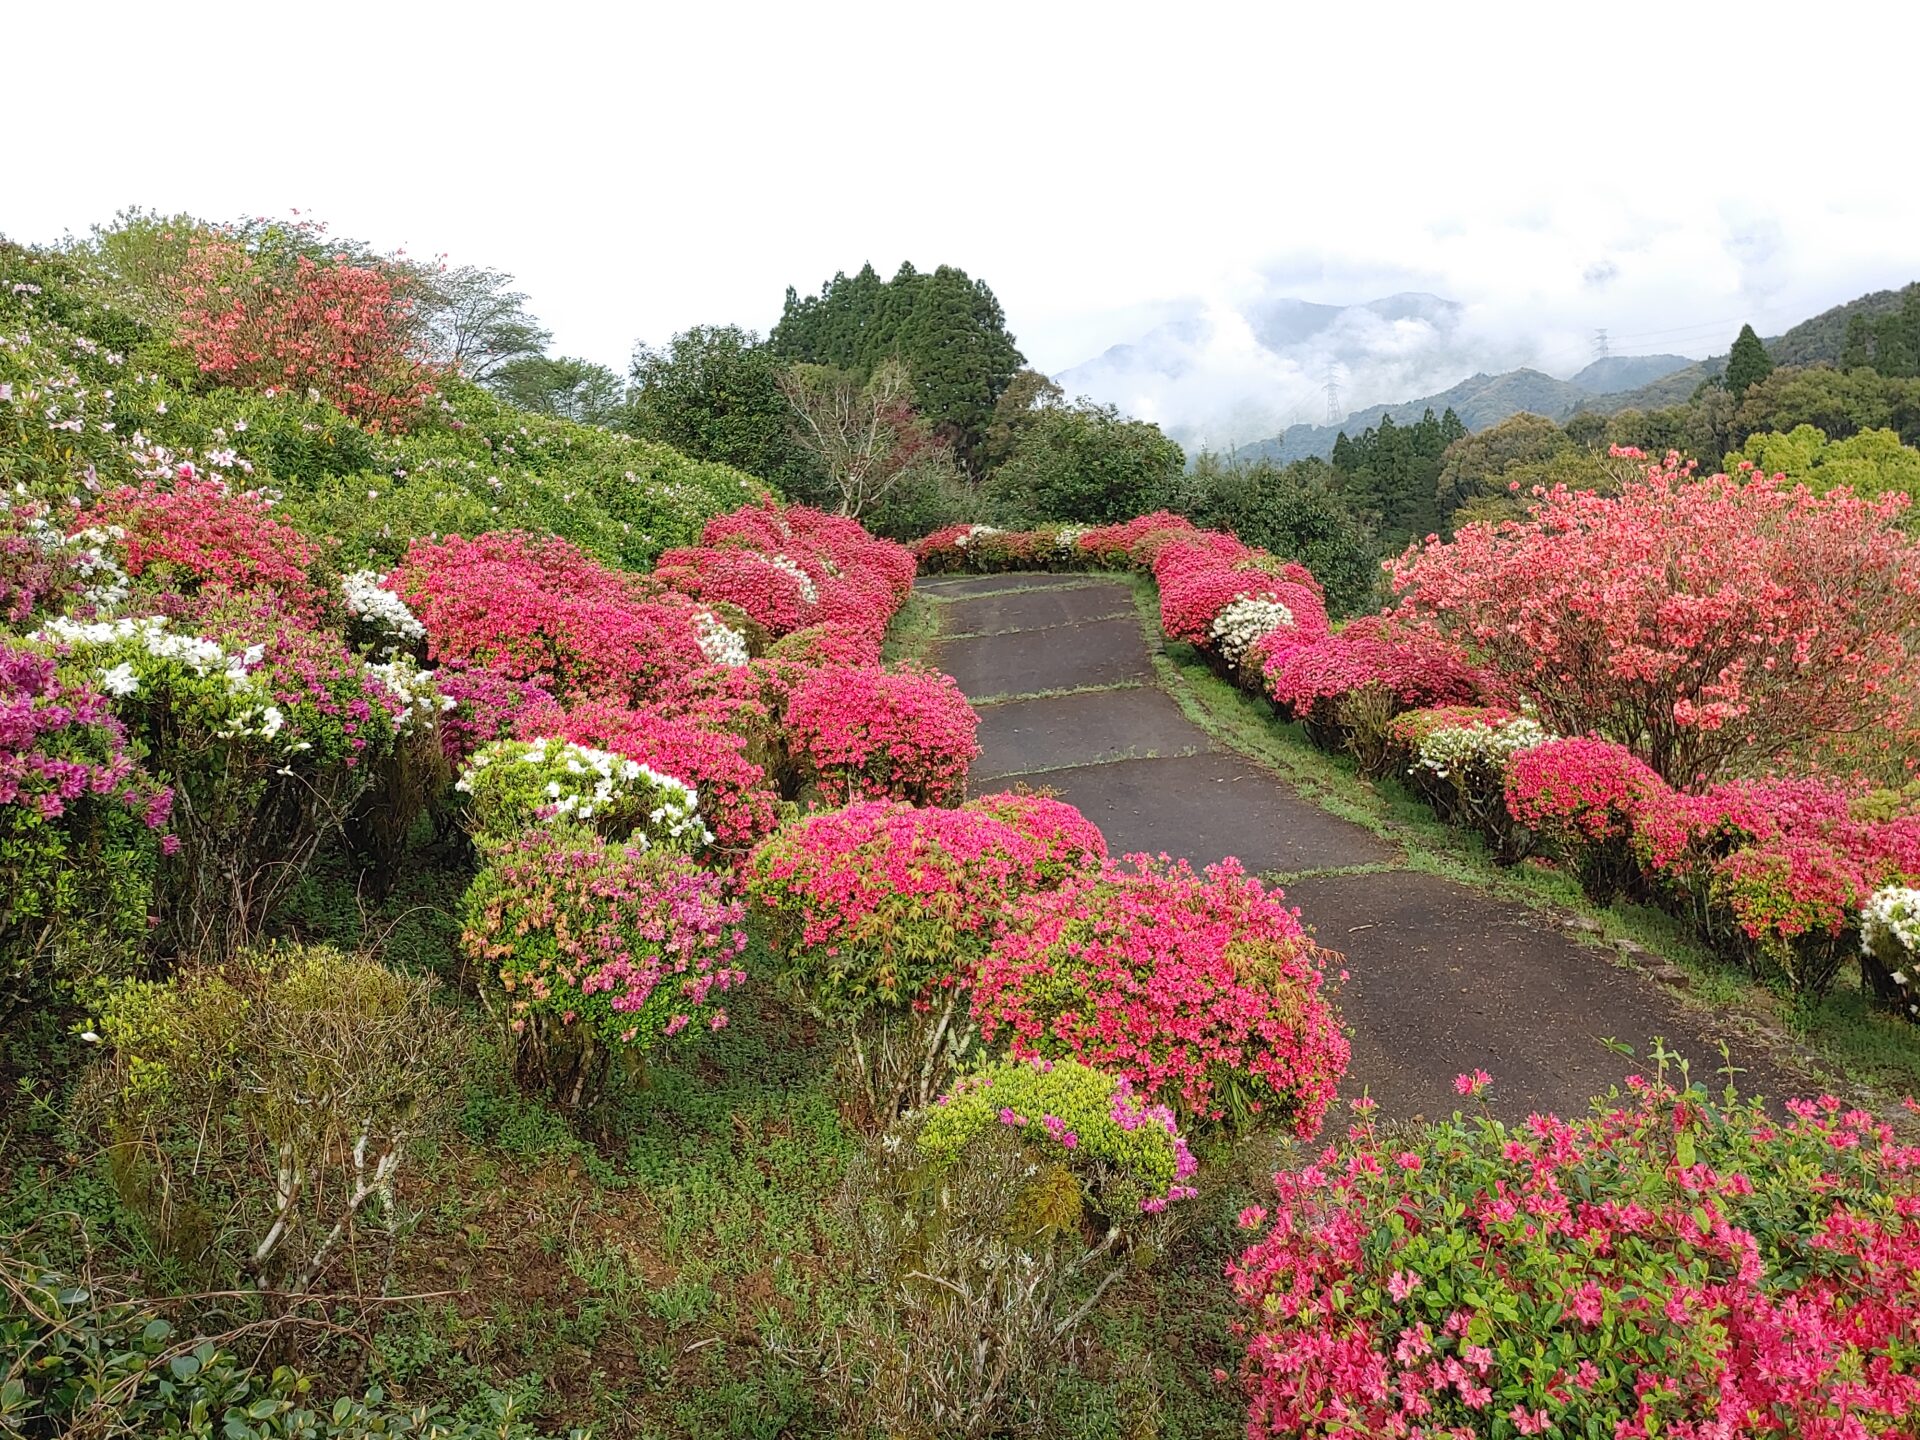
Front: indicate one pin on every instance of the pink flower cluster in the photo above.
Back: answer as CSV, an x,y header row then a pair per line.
x,y
486,705
1201,990
858,732
1413,669
185,534
1668,1265
632,945
60,743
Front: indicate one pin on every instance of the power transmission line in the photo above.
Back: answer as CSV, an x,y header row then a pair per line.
x,y
1333,395
1600,344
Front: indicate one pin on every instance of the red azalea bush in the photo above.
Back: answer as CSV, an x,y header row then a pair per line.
x,y
828,645
540,610
857,733
737,801
485,706
1668,1265
1700,622
747,700
342,328
773,590
1115,545
1794,902
185,534
1203,992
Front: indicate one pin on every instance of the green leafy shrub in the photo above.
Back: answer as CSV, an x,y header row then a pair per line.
x,y
254,1113
82,1363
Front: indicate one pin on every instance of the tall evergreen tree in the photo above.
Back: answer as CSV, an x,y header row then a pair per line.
x,y
1748,363
948,328
1859,347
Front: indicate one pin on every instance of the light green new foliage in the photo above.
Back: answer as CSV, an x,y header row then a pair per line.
x,y
1118,1167
516,784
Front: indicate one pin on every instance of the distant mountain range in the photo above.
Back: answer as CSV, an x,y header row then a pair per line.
x,y
1214,377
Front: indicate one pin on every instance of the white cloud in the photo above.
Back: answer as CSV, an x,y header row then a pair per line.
x,y
644,168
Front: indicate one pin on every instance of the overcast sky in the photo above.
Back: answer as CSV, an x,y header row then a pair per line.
x,y
1665,170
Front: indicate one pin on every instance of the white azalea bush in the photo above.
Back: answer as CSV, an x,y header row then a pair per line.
x,y
1452,749
1244,620
1459,763
516,785
381,616
1889,939
720,643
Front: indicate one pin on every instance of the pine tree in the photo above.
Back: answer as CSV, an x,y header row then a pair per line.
x,y
1748,364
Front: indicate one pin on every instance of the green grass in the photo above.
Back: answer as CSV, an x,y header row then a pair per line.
x,y
915,629
1056,692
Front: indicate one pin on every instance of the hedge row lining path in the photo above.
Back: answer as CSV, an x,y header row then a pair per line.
x,y
1441,977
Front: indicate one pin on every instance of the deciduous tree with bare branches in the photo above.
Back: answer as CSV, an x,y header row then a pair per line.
x,y
866,435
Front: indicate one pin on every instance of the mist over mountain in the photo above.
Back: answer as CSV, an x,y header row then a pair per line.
x,y
1222,377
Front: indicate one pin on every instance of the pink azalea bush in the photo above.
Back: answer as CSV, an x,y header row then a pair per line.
x,y
81,825
1302,679
486,705
1669,1265
1582,797
589,947
859,732
543,611
1203,991
773,590
1701,622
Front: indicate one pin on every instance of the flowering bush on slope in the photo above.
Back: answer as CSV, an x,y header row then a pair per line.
x,y
80,827
185,534
518,785
1668,1265
858,733
1127,1157
543,611
1698,621
485,706
1890,941
1415,672
591,945
774,591
736,799
1204,992
1584,796
341,328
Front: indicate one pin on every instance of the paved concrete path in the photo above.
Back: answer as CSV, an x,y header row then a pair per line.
x,y
1441,977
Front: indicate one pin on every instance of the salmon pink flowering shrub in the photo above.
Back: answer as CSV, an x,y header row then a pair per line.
x,y
1128,1157
737,800
1701,622
543,611
332,325
1304,680
1203,991
180,535
859,733
1668,1265
81,828
589,948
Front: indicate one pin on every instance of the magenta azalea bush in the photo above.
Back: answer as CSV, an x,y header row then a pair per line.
x,y
1669,1265
858,733
1201,990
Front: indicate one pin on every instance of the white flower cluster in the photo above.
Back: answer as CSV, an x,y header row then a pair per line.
x,y
1890,931
413,688
1245,619
1067,541
1453,747
808,592
967,536
107,583
254,711
603,780
369,600
719,641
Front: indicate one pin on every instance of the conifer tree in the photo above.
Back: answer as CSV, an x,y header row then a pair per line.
x,y
1748,363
